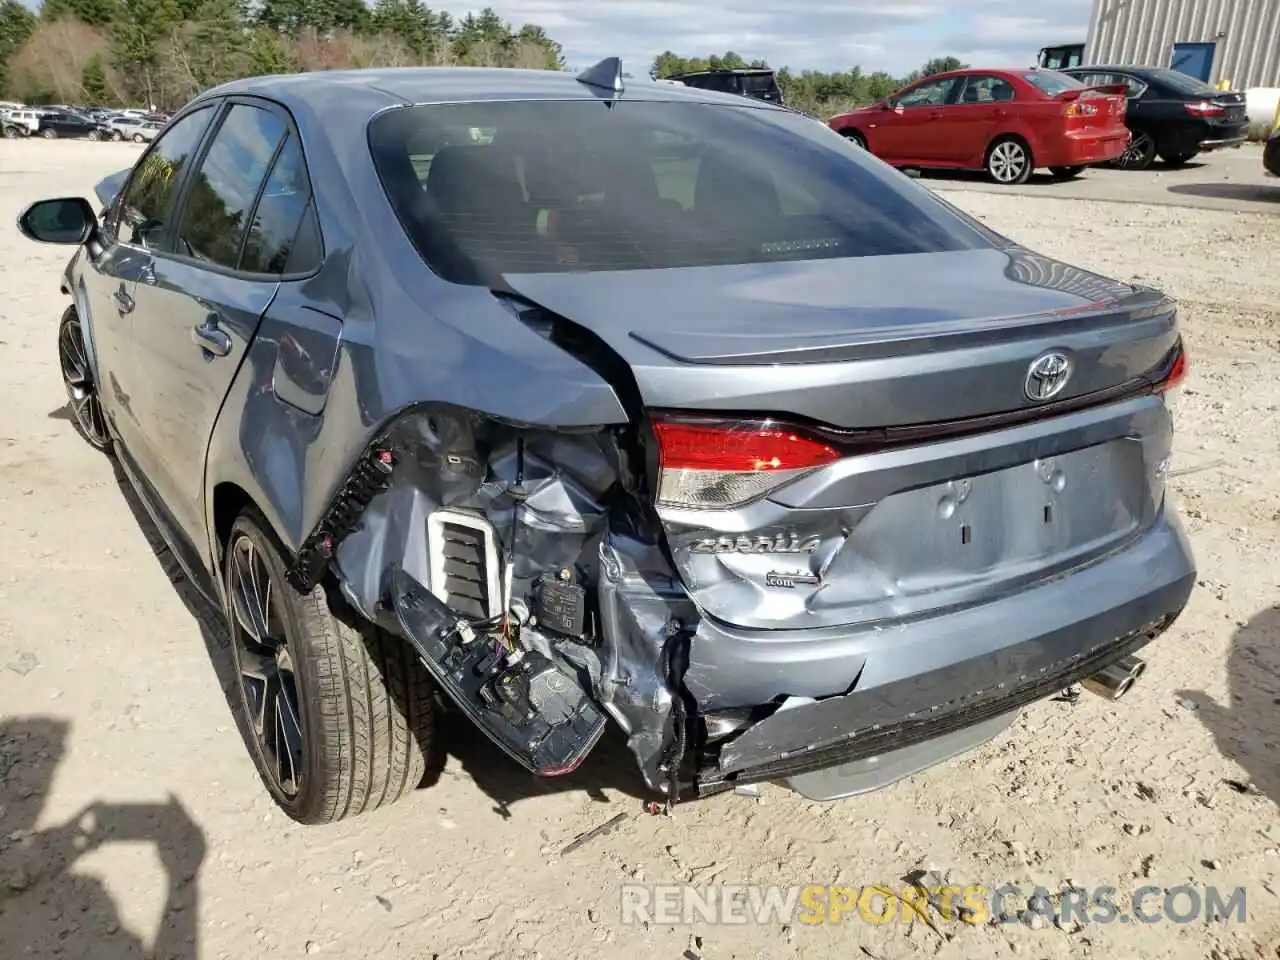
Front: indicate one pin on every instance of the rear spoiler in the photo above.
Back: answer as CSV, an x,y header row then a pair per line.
x,y
1108,89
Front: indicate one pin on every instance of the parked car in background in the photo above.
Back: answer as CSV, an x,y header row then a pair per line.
x,y
1172,116
758,82
67,123
680,412
131,127
1271,154
20,122
1007,122
147,131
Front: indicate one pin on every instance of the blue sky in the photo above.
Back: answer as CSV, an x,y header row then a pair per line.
x,y
897,35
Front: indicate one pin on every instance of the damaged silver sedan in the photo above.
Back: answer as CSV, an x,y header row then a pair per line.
x,y
568,400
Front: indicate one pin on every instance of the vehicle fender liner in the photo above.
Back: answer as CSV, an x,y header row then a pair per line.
x,y
526,569
371,476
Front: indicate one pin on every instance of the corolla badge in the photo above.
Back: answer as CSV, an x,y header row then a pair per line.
x,y
1047,376
781,543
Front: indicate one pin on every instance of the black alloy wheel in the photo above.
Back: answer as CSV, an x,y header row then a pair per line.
x,y
265,665
1139,154
77,377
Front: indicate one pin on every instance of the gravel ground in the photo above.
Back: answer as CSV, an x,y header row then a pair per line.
x,y
132,823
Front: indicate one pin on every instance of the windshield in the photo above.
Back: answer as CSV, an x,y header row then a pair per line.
x,y
1051,82
558,186
1181,83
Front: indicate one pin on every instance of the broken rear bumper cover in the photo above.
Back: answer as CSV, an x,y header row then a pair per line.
x,y
931,689
862,706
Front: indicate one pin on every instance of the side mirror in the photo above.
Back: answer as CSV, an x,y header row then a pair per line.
x,y
69,220
885,105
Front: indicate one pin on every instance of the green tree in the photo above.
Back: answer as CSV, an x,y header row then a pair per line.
x,y
16,24
267,54
93,78
136,35
96,13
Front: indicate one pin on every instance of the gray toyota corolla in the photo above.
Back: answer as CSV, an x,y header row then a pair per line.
x,y
558,399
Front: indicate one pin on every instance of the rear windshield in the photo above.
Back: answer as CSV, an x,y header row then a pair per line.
x,y
486,189
1181,83
1051,82
758,83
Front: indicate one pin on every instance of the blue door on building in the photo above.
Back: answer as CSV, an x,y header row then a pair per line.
x,y
1193,59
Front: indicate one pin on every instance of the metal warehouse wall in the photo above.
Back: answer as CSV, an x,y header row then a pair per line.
x,y
1143,32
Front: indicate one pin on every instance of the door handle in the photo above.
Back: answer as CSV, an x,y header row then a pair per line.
x,y
124,302
210,338
147,273
935,114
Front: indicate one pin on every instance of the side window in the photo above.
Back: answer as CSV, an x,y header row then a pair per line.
x,y
933,94
220,196
1136,87
141,216
986,89
277,241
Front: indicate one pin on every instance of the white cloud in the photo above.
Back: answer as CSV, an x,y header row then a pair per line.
x,y
803,34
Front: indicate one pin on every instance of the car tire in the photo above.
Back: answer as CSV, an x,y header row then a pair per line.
x,y
49,133
1139,154
352,707
11,133
117,136
93,135
855,138
1066,173
139,138
1009,162
78,380
1178,159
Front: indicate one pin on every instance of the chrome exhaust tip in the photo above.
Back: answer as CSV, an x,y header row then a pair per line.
x,y
1114,682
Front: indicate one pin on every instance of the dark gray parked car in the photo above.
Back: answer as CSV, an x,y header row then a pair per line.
x,y
571,402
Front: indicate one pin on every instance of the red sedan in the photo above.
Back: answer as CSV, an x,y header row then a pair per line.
x,y
1007,122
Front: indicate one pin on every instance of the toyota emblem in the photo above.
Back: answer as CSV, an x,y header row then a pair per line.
x,y
1047,376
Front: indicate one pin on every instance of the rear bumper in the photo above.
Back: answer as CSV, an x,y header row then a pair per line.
x,y
1082,150
1222,143
926,683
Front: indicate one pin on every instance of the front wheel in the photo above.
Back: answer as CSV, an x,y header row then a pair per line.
x,y
117,136
11,133
1066,173
49,133
94,135
77,379
340,719
855,138
1009,161
139,138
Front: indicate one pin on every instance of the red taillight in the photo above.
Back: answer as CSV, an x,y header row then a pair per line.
x,y
718,464
1078,109
1177,373
1205,108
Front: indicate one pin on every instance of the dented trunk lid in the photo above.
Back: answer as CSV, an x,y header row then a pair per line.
x,y
887,535
862,342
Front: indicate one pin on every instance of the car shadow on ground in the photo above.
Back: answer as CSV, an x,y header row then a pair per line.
x,y
47,908
977,176
610,766
1246,728
1260,192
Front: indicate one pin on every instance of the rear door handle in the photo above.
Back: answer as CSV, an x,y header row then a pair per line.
x,y
210,338
124,302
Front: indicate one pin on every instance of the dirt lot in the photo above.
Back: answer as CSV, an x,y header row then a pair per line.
x,y
110,706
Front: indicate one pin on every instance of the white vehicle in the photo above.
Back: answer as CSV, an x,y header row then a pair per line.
x,y
129,127
19,122
147,131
